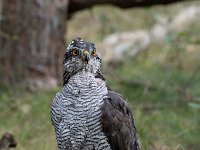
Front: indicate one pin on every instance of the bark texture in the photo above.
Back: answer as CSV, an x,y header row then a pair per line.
x,y
32,41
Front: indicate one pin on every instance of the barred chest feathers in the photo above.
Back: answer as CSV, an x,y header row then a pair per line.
x,y
80,103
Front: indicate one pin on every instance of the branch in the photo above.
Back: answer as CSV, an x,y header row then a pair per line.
x,y
76,5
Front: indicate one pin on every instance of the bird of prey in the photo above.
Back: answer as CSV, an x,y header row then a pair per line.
x,y
86,114
7,141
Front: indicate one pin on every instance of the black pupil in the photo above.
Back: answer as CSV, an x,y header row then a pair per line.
x,y
75,52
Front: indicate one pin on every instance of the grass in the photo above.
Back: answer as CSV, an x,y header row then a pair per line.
x,y
27,116
159,84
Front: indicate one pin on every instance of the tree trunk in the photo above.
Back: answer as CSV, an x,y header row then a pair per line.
x,y
32,41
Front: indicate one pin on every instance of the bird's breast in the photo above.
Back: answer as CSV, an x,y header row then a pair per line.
x,y
82,98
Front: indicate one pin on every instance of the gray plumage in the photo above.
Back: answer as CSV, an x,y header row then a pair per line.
x,y
86,114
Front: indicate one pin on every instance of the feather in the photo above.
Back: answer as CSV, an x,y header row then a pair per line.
x,y
118,124
86,114
66,77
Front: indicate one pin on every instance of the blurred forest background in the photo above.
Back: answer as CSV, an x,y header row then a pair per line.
x,y
151,55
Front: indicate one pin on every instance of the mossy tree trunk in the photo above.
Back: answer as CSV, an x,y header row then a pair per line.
x,y
32,41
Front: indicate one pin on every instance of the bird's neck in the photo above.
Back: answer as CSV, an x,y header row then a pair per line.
x,y
84,83
82,77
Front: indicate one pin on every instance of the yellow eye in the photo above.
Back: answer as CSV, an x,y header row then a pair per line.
x,y
75,52
94,53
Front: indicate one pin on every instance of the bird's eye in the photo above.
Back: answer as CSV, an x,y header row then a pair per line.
x,y
75,52
94,53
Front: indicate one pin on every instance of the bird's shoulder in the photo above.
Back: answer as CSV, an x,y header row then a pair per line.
x,y
118,123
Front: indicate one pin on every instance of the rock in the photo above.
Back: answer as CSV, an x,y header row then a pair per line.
x,y
159,32
184,18
116,46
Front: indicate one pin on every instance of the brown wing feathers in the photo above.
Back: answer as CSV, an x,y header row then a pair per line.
x,y
118,123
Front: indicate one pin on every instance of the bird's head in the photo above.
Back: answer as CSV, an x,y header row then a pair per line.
x,y
81,55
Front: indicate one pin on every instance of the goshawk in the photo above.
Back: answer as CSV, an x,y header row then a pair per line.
x,y
86,114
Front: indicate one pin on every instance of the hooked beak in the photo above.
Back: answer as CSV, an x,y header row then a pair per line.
x,y
86,56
